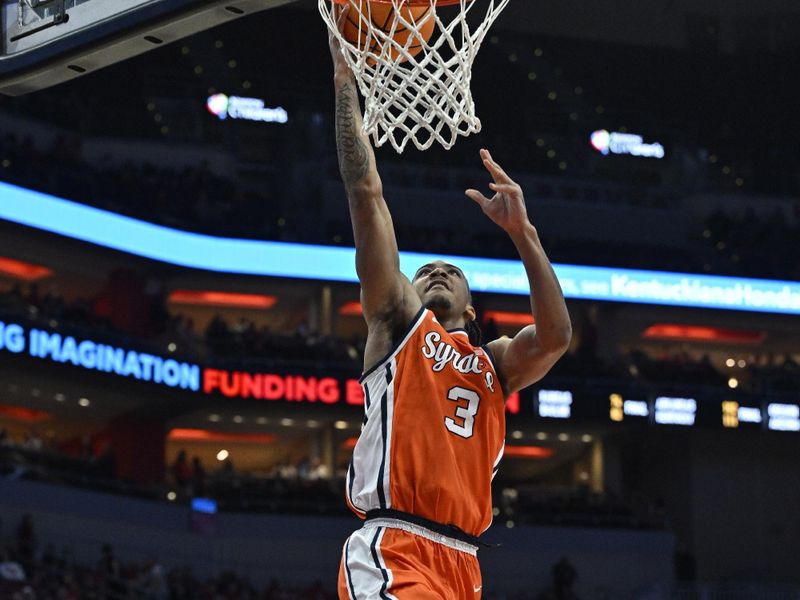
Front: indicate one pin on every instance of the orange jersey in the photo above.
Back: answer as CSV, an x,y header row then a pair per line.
x,y
434,430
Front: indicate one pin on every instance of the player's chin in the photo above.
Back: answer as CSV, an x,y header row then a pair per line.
x,y
437,300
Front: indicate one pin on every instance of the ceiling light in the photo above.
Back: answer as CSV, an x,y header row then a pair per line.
x,y
502,317
351,309
23,270
225,299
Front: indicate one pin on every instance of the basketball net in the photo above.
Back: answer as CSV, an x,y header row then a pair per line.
x,y
424,97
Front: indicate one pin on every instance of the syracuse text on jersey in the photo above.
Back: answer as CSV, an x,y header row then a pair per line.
x,y
443,353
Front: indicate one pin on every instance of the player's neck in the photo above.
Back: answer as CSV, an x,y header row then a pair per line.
x,y
450,322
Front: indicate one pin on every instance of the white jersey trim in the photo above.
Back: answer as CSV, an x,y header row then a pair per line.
x,y
496,464
365,570
368,479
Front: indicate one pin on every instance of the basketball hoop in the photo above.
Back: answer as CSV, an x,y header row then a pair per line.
x,y
415,88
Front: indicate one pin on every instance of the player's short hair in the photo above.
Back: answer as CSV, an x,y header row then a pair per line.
x,y
472,327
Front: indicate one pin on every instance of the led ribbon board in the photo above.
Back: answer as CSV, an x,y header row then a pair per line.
x,y
327,263
320,387
94,356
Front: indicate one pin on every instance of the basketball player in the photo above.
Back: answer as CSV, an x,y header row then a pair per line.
x,y
434,429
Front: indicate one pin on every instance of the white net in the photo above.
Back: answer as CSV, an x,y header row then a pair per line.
x,y
414,67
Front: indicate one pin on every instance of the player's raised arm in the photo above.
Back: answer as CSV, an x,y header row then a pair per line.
x,y
386,294
526,358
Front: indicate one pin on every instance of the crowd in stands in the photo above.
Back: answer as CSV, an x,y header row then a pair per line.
x,y
30,570
304,487
765,248
225,339
34,569
578,506
190,198
731,106
243,339
240,342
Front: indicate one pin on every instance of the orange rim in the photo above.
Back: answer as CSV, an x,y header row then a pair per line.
x,y
409,2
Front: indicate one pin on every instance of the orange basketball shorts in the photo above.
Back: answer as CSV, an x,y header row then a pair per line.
x,y
393,560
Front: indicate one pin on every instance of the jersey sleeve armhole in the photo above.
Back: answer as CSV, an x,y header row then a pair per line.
x,y
418,318
490,356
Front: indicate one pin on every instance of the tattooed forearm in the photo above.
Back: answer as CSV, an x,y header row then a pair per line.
x,y
353,152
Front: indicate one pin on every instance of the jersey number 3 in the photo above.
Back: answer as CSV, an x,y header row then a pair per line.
x,y
465,415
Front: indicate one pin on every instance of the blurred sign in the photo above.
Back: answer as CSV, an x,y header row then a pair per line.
x,y
204,505
675,411
783,417
203,516
730,414
246,109
615,142
272,386
555,404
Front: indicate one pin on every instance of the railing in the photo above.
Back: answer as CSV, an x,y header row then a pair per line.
x,y
735,591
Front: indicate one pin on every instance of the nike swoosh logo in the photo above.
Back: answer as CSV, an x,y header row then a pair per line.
x,y
476,589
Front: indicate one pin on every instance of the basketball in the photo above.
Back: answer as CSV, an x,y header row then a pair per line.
x,y
383,17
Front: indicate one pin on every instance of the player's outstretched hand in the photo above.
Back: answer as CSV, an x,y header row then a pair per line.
x,y
507,206
340,67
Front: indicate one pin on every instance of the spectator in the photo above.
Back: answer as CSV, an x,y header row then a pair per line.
x,y
198,477
12,574
111,568
563,581
588,336
32,441
5,438
318,470
180,471
53,303
26,542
